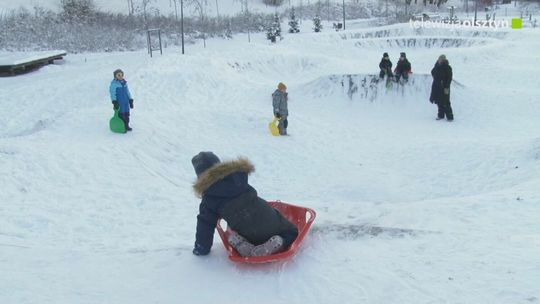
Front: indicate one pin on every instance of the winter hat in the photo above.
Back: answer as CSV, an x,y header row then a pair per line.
x,y
402,54
385,55
203,161
117,71
281,86
442,57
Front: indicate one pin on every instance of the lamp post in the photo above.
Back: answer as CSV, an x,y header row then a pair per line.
x,y
475,10
328,10
247,15
343,14
181,19
182,22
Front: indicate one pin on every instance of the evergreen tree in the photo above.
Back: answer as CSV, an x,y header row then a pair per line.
x,y
293,22
274,30
270,34
277,25
317,24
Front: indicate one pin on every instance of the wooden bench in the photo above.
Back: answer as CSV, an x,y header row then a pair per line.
x,y
21,62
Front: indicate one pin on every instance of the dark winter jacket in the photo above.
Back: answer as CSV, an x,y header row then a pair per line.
x,y
279,102
403,66
119,91
442,78
385,65
226,194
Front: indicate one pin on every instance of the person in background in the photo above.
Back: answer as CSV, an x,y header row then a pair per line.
x,y
121,97
403,68
440,88
281,109
385,66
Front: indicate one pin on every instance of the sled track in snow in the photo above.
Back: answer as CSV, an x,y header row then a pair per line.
x,y
353,232
424,32
423,38
421,42
38,126
369,87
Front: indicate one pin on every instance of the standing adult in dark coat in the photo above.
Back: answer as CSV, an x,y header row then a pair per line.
x,y
440,89
260,229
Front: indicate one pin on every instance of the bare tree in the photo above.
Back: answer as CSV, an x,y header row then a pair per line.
x,y
145,7
131,7
199,7
77,10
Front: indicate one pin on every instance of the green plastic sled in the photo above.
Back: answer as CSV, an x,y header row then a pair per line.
x,y
389,82
117,124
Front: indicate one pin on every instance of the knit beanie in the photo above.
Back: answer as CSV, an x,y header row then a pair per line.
x,y
204,161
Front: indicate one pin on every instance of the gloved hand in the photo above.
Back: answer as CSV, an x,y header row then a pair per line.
x,y
131,103
431,100
446,91
277,115
116,106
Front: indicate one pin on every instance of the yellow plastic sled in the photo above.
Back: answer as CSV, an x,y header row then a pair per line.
x,y
273,126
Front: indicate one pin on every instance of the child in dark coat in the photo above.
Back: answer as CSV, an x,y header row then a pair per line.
x,y
260,229
403,68
121,97
385,66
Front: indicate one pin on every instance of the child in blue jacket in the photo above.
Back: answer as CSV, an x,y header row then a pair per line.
x,y
120,96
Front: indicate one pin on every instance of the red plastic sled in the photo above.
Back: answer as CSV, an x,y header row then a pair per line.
x,y
295,214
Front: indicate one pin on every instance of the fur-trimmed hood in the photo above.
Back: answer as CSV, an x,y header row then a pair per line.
x,y
219,172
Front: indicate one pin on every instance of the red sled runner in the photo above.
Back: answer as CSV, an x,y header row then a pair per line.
x,y
295,214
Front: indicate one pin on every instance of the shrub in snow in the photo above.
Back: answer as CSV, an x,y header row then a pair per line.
x,y
273,2
82,30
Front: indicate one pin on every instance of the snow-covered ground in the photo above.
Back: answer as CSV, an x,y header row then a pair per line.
x,y
88,216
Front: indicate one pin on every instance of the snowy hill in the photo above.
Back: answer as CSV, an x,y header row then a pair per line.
x,y
410,210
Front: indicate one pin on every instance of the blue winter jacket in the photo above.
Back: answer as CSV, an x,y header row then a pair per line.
x,y
120,92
